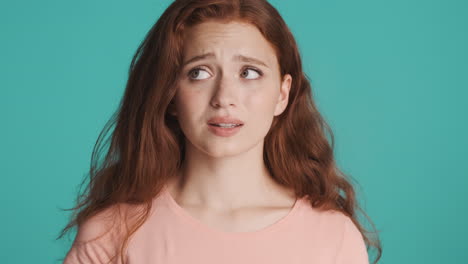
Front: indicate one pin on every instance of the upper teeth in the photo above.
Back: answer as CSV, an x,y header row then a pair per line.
x,y
226,125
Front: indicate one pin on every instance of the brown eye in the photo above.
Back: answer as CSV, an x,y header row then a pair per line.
x,y
256,73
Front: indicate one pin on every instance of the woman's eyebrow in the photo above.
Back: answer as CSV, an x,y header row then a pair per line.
x,y
237,57
199,57
243,58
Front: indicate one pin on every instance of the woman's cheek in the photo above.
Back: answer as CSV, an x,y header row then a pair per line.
x,y
262,100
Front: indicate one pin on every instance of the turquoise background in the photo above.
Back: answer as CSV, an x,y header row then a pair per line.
x,y
389,76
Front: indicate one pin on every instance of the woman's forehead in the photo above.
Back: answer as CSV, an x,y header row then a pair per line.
x,y
233,41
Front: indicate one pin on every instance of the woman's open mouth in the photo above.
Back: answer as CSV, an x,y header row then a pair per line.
x,y
224,129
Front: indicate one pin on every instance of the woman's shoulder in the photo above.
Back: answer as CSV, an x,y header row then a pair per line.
x,y
107,224
99,237
335,223
338,229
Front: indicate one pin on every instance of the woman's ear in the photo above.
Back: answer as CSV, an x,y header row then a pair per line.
x,y
284,95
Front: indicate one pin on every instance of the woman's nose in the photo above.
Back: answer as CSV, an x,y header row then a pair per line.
x,y
225,91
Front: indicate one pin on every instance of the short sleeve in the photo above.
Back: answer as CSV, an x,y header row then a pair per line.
x,y
353,248
96,242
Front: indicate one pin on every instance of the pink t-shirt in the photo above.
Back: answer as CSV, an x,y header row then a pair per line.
x,y
172,236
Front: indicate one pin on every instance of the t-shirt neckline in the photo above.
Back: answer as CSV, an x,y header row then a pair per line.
x,y
187,217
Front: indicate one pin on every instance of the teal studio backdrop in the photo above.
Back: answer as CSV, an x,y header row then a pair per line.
x,y
390,77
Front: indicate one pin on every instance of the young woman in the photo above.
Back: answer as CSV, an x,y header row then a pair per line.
x,y
218,154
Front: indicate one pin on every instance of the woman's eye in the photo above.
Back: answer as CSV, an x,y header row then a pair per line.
x,y
201,74
193,74
256,73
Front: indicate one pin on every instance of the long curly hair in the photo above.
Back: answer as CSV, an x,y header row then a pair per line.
x,y
142,146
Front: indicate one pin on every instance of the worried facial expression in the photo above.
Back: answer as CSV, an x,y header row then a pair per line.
x,y
229,70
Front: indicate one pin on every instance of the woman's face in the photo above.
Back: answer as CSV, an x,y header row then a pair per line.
x,y
229,70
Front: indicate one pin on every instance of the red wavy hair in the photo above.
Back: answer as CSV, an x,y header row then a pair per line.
x,y
146,146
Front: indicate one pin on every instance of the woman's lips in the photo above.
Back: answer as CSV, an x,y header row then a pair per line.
x,y
224,131
225,120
